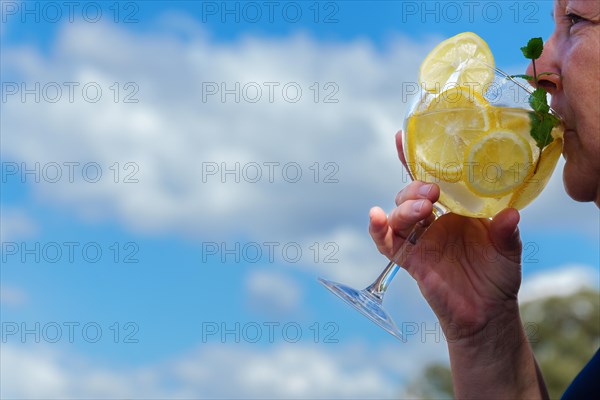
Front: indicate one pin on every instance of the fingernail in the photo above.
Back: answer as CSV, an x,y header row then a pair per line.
x,y
418,205
425,189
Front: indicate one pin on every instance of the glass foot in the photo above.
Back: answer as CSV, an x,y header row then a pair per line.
x,y
366,303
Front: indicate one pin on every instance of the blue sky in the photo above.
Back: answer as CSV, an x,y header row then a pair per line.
x,y
161,224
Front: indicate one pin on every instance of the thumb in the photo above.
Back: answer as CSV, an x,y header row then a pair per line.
x,y
505,234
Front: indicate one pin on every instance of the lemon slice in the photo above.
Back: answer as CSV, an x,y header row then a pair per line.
x,y
538,180
498,163
438,137
462,59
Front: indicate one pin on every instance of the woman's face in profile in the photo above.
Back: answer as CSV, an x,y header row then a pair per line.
x,y
573,51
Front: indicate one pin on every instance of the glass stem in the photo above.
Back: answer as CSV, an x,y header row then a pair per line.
x,y
377,289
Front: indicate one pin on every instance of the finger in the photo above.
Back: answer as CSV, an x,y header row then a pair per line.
x,y
418,190
403,218
380,230
378,224
504,231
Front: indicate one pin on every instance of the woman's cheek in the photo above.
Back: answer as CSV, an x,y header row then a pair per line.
x,y
581,75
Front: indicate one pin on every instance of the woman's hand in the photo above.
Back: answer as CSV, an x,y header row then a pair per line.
x,y
468,269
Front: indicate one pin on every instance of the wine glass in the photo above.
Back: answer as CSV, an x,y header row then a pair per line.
x,y
474,140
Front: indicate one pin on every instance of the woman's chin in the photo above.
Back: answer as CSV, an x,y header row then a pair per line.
x,y
579,186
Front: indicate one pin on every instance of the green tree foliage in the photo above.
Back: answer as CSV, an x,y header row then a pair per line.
x,y
564,333
435,383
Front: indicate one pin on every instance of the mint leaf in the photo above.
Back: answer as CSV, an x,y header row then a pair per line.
x,y
526,77
534,48
554,119
538,101
542,121
541,128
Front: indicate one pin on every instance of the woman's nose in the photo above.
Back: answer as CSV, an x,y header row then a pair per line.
x,y
546,64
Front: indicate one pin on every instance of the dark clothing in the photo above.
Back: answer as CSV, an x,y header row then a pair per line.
x,y
587,383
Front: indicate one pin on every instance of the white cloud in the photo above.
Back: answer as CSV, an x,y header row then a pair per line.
x,y
12,296
346,255
43,373
273,292
561,281
171,132
212,371
16,224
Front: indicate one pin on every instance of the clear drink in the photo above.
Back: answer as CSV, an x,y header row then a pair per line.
x,y
482,156
473,132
